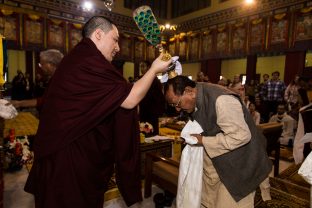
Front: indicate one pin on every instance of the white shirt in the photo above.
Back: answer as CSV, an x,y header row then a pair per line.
x,y
288,127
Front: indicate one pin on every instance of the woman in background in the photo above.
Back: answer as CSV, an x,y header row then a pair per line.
x,y
254,114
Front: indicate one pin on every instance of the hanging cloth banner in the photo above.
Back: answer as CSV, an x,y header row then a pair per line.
x,y
3,62
5,56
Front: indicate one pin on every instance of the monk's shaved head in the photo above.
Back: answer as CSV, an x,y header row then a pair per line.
x,y
94,23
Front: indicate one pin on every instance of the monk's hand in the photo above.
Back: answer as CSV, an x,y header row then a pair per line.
x,y
199,137
159,66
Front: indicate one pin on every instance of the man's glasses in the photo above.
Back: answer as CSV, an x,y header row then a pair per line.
x,y
177,105
42,64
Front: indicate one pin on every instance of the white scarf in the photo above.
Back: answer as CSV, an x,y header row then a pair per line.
x,y
7,111
191,169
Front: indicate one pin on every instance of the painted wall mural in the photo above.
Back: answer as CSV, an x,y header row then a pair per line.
x,y
279,30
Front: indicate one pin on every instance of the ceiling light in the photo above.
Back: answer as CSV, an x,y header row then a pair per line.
x,y
249,1
167,27
87,5
109,4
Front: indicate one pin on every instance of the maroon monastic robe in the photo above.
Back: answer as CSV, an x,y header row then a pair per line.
x,y
83,132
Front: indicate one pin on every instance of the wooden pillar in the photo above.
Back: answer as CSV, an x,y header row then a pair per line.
x,y
294,65
212,67
29,63
251,69
136,69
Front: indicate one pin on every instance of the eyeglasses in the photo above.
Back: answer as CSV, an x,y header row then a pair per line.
x,y
177,105
43,64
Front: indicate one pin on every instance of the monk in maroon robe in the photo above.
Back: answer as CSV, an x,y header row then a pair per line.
x,y
88,125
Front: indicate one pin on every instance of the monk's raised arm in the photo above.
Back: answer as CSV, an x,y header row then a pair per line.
x,y
141,86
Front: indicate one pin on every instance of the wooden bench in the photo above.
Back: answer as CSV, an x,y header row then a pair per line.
x,y
162,171
272,133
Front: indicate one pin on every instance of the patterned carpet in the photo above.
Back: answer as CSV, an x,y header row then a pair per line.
x,y
291,175
281,199
288,190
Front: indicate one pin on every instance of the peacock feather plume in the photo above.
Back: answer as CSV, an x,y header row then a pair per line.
x,y
147,24
149,27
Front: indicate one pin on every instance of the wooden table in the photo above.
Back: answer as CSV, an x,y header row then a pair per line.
x,y
163,148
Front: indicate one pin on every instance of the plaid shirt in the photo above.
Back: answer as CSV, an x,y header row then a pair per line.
x,y
274,90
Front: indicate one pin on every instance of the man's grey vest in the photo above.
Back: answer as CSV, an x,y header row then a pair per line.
x,y
240,170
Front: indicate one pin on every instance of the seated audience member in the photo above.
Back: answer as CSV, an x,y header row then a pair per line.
x,y
288,124
254,114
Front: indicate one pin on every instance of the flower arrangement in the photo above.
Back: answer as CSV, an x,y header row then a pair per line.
x,y
146,128
16,153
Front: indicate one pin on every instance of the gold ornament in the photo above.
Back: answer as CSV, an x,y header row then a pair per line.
x,y
166,56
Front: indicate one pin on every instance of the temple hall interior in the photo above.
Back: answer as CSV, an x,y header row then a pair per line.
x,y
261,50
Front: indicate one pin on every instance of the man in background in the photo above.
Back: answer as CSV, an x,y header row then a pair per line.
x,y
201,77
49,61
273,93
288,122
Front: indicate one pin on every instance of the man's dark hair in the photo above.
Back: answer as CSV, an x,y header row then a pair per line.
x,y
179,83
276,72
95,22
